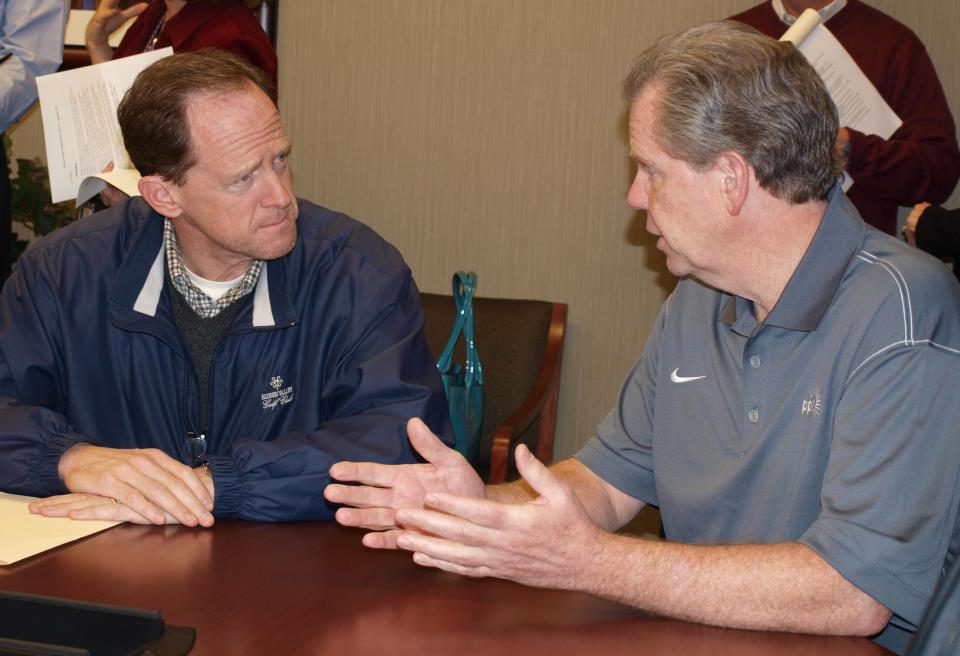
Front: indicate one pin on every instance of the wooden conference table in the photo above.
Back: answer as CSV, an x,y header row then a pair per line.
x,y
314,589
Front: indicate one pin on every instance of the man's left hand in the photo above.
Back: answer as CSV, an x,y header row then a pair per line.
x,y
80,505
90,506
538,542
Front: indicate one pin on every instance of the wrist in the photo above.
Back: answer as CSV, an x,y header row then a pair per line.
x,y
598,567
69,457
95,35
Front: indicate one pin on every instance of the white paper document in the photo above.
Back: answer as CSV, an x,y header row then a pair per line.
x,y
23,534
79,112
858,102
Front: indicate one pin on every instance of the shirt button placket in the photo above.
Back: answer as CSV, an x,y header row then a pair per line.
x,y
753,396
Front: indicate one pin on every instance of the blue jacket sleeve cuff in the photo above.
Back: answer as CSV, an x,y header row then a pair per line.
x,y
227,487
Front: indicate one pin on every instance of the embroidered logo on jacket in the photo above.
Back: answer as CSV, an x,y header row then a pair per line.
x,y
279,396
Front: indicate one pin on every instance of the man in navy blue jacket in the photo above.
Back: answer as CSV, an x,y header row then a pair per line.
x,y
210,349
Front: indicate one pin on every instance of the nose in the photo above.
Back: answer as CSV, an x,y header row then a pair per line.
x,y
277,190
637,194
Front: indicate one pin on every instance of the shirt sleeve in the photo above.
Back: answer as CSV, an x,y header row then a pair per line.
x,y
621,452
891,489
34,430
32,34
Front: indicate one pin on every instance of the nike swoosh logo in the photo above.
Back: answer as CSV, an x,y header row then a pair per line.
x,y
683,379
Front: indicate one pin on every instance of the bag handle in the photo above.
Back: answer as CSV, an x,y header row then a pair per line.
x,y
473,372
464,287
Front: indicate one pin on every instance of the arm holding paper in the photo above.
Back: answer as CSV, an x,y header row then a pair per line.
x,y
79,111
107,19
919,159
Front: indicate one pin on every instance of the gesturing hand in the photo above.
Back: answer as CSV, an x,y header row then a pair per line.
x,y
146,482
547,541
385,488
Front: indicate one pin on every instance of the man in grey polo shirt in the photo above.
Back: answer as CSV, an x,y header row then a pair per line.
x,y
794,413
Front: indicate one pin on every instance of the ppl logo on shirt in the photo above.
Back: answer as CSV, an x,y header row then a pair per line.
x,y
813,404
279,396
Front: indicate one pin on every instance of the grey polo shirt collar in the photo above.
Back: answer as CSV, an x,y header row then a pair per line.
x,y
814,283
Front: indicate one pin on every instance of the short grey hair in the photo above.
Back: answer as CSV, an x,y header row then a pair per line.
x,y
725,87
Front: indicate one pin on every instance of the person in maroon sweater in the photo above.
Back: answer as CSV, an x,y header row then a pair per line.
x,y
920,161
187,25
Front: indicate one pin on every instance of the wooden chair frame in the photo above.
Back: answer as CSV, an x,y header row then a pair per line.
x,y
541,402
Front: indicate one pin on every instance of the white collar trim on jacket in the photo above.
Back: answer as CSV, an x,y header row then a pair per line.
x,y
262,310
149,297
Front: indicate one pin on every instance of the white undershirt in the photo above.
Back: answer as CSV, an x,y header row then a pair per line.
x,y
215,289
826,13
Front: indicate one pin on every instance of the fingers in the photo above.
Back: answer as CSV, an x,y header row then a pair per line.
x,y
368,473
456,529
156,484
429,445
382,540
423,440
148,481
454,568
430,550
534,472
375,519
87,507
135,10
489,514
359,496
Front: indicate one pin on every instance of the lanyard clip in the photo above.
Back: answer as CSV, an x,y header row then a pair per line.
x,y
198,448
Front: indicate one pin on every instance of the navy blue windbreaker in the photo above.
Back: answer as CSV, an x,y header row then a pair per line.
x,y
325,361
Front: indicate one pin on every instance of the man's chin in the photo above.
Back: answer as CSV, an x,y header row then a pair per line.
x,y
279,246
279,251
675,265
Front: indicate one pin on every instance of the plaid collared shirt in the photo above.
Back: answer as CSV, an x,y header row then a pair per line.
x,y
202,304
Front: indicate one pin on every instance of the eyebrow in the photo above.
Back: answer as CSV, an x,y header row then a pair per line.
x,y
236,175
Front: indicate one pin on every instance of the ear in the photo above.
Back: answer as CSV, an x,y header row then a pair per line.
x,y
160,194
734,173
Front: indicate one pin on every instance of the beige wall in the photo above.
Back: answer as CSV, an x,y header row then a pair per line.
x,y
489,135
